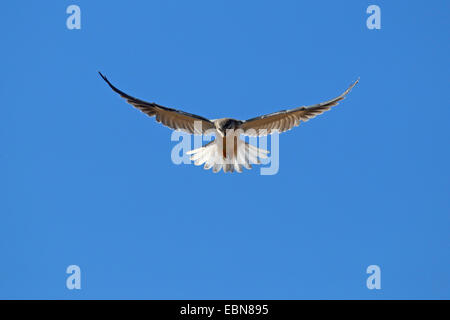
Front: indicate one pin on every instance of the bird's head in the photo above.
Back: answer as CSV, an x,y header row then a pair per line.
x,y
227,124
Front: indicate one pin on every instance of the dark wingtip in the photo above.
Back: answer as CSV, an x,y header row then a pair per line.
x,y
123,94
107,81
101,75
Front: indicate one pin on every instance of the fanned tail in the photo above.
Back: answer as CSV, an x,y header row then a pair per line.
x,y
238,156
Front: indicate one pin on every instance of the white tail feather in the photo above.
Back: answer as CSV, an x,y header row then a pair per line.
x,y
212,156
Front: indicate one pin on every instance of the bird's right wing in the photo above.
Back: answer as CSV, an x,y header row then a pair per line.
x,y
174,119
287,119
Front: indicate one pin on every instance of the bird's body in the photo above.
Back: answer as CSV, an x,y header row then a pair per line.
x,y
228,151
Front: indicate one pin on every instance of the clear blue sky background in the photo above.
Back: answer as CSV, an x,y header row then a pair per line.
x,y
88,180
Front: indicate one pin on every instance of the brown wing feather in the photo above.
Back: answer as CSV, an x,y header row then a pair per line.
x,y
287,119
174,119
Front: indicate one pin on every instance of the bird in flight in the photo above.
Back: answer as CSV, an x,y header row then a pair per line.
x,y
227,151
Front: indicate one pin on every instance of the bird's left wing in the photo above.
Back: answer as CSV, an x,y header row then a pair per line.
x,y
175,119
287,119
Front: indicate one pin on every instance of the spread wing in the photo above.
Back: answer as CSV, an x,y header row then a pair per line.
x,y
287,119
175,119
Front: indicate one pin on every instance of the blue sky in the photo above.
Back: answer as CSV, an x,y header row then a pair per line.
x,y
88,180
